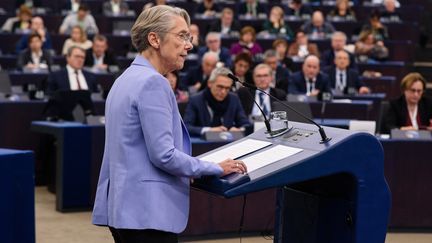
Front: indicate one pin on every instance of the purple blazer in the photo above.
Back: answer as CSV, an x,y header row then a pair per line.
x,y
237,48
147,166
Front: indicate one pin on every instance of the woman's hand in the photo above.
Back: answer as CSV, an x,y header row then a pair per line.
x,y
233,166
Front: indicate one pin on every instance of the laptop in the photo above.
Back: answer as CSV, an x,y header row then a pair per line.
x,y
301,107
223,136
418,134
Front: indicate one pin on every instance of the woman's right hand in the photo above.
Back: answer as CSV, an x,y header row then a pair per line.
x,y
233,166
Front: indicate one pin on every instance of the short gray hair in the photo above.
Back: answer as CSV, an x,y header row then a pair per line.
x,y
213,34
262,66
156,19
270,53
70,50
220,71
339,34
210,54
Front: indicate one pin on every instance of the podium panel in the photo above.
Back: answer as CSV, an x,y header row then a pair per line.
x,y
333,192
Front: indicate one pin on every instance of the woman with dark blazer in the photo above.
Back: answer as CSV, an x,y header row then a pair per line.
x,y
411,111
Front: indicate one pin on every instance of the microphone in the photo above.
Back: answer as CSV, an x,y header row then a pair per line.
x,y
324,138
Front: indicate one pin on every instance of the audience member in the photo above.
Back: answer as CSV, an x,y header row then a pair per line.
x,y
368,49
276,24
181,96
251,9
411,111
342,12
71,6
154,3
36,26
241,69
301,47
390,13
296,9
197,40
207,8
338,43
22,25
374,25
215,108
34,58
343,79
262,76
309,81
196,77
226,24
317,27
81,18
115,8
213,44
247,43
279,73
28,3
73,77
99,57
77,38
281,48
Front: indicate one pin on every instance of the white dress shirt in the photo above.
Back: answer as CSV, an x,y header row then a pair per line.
x,y
266,102
73,79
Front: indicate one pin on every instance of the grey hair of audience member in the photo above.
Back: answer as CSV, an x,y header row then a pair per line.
x,y
220,71
210,55
213,34
270,53
70,50
339,34
262,66
158,19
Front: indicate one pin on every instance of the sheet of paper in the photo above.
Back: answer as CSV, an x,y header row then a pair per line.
x,y
269,156
237,150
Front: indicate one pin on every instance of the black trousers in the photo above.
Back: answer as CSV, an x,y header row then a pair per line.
x,y
142,236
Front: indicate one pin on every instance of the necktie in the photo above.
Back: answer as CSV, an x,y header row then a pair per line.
x,y
311,88
263,106
77,79
341,85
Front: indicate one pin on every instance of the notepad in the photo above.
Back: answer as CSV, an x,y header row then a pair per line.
x,y
237,150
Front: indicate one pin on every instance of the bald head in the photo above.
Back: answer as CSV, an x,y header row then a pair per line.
x,y
311,67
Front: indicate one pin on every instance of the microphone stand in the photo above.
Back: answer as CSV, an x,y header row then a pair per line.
x,y
324,138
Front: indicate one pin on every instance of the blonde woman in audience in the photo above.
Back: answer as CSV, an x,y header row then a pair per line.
x,y
342,12
22,25
77,38
277,25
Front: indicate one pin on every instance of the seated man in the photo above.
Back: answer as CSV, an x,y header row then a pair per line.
x,y
262,76
196,77
215,108
115,8
317,27
226,24
343,79
99,57
72,77
34,58
213,44
338,43
309,81
280,74
82,18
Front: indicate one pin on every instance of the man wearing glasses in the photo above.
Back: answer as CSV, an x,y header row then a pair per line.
x,y
215,108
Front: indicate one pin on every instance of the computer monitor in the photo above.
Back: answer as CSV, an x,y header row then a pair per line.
x,y
63,105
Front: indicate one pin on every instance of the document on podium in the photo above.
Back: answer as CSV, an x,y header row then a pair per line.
x,y
269,156
237,150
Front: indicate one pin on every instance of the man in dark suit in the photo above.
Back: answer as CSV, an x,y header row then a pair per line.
x,y
262,76
338,42
213,44
280,74
309,81
344,80
34,57
215,108
72,77
99,57
226,25
196,77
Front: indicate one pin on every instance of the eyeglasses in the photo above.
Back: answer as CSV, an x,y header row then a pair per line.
x,y
221,87
415,91
185,37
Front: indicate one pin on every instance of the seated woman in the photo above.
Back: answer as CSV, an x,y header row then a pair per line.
x,y
34,58
281,48
302,48
208,8
377,28
411,111
342,12
241,69
181,96
246,43
368,49
77,38
22,25
276,24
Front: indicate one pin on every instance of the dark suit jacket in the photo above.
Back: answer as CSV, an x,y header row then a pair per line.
x,y
297,84
60,81
197,115
353,80
397,115
328,56
107,8
224,55
25,57
247,97
216,26
109,58
193,75
282,78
